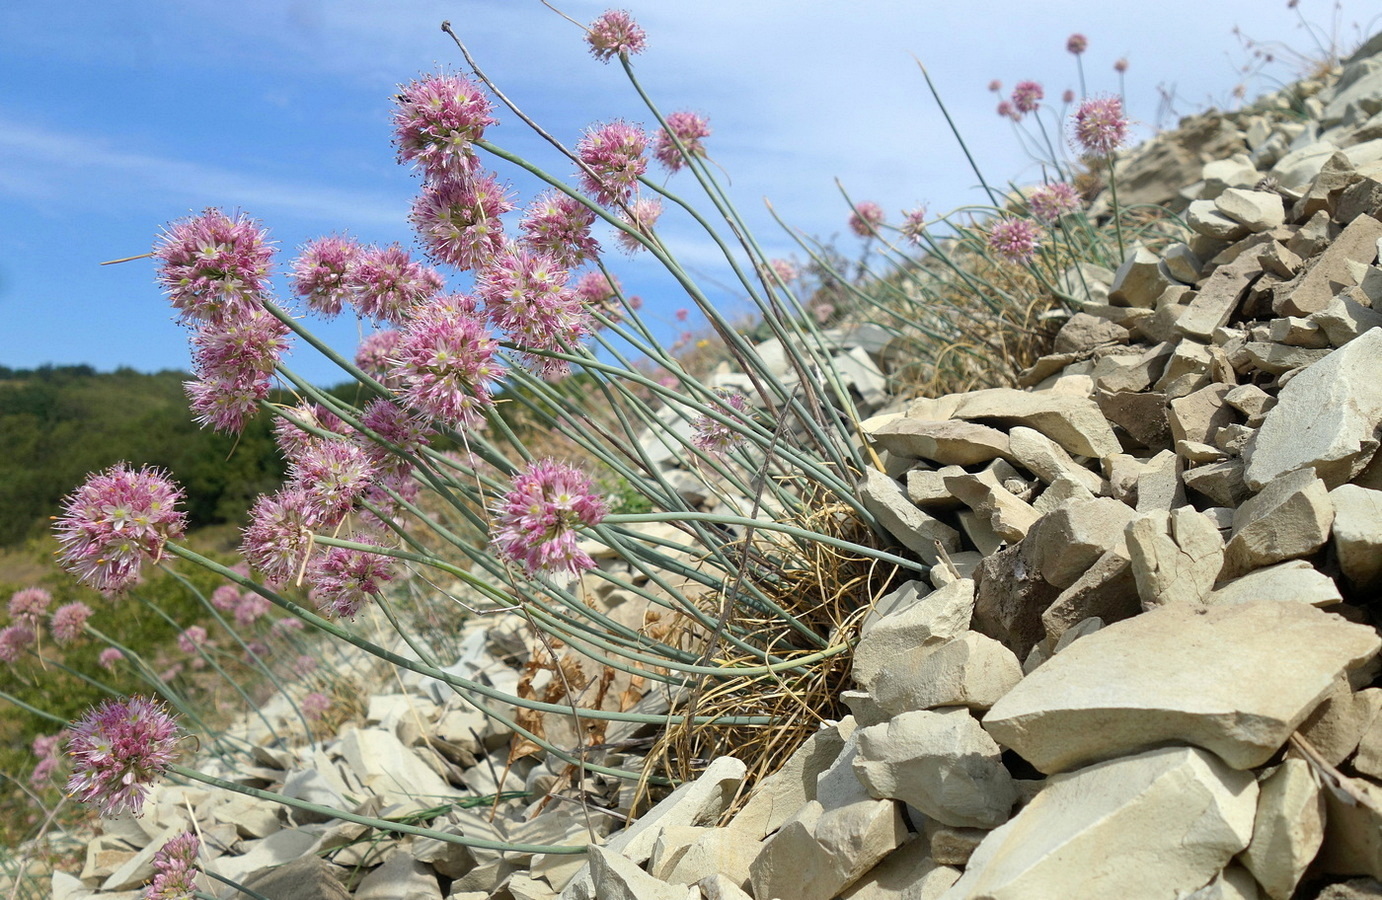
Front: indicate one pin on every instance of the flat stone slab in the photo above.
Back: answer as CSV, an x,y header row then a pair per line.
x,y
1073,422
948,442
1236,680
1158,824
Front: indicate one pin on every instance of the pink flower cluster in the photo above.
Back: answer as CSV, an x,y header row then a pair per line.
x,y
914,224
1014,239
559,226
1098,126
597,293
343,579
48,749
615,33
315,705
14,640
29,605
614,160
458,219
114,522
714,436
866,218
234,361
321,273
438,119
1076,43
68,622
644,213
535,523
117,749
175,869
213,266
1051,201
444,365
1027,97
688,128
526,295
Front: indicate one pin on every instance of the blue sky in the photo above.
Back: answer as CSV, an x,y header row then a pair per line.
x,y
117,117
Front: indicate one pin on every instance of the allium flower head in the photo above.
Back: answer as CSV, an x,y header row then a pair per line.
x,y
116,520
212,265
28,605
785,269
1014,239
224,403
526,296
646,211
559,226
374,356
687,127
615,33
191,638
1098,126
332,474
1027,97
716,437
343,579
614,153
535,523
995,85
109,657
1121,65
444,365
387,284
250,609
14,640
315,705
1006,111
293,440
175,876
1067,97
395,425
914,224
279,534
234,359
1076,43
597,293
866,218
438,119
68,621
457,219
117,749
321,273
1051,201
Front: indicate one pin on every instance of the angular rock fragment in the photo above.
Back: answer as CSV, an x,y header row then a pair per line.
x,y
1073,422
1288,830
1293,581
1176,557
1009,598
1159,823
1329,274
971,670
1068,540
913,528
928,622
818,853
1289,518
1236,680
1357,535
947,442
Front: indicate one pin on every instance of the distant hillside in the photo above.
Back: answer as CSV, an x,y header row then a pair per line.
x,y
59,423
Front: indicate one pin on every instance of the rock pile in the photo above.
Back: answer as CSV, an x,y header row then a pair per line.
x,y
1142,664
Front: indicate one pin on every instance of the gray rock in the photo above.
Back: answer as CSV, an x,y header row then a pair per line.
x,y
948,442
1046,459
400,878
1288,830
1321,281
1085,332
929,621
817,853
971,670
1236,680
1073,422
616,878
1138,281
1009,597
1176,557
940,762
1068,540
1160,823
1204,218
1357,535
1219,297
905,874
914,529
1294,581
306,878
1289,518
781,795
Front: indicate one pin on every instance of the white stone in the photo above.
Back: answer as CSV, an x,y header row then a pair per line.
x,y
914,529
1236,680
1326,418
1176,556
1257,210
1357,534
817,854
400,878
1073,422
389,768
931,620
784,793
616,878
1288,830
971,670
1293,581
1072,537
940,762
1157,824
906,874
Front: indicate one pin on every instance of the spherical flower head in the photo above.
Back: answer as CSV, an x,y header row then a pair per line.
x,y
42,775
278,536
343,580
785,269
1051,201
437,121
321,273
714,436
615,33
234,360
1014,239
68,622
614,160
250,609
191,638
444,366
212,265
47,745
1006,111
995,85
304,665
387,284
119,748
559,226
1067,97
535,523
374,356
457,219
1121,65
114,522
1098,126
315,705
1027,97
866,218
683,314
1076,43
28,605
527,297
293,439
175,875
645,213
332,474
14,640
109,657
687,127
914,224
224,404
399,427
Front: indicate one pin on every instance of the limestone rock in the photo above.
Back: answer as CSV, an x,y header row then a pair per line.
x,y
1357,534
1218,298
1085,332
1006,515
940,762
1073,422
817,854
1046,459
913,528
1201,415
929,621
1009,597
1288,830
1236,680
781,795
1160,823
1204,218
1068,540
1289,518
1106,591
1138,281
400,878
948,442
1329,272
905,874
1176,556
306,878
686,854
616,878
971,670
1293,581
1256,210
